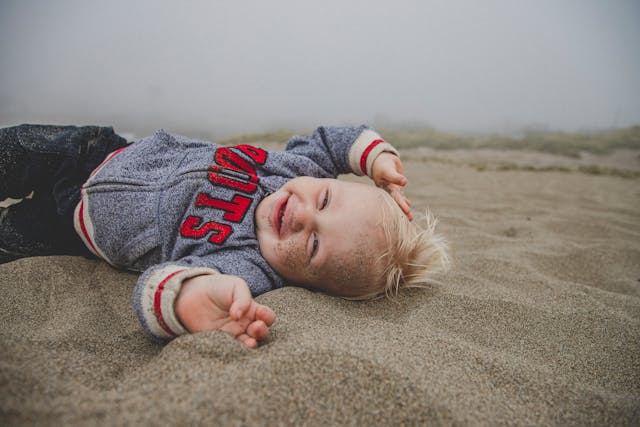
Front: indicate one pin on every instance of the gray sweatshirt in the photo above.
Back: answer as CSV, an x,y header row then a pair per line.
x,y
175,208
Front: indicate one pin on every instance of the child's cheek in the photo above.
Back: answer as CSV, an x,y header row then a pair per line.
x,y
290,255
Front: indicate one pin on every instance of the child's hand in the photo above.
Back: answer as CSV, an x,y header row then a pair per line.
x,y
387,174
223,302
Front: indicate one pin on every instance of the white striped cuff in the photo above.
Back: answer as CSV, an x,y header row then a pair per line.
x,y
159,294
364,151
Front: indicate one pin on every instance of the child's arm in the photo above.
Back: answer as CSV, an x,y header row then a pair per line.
x,y
336,150
358,150
387,174
218,296
223,302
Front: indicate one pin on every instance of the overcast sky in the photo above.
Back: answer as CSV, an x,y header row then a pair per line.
x,y
223,67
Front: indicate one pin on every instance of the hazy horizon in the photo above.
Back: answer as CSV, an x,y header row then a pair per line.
x,y
220,68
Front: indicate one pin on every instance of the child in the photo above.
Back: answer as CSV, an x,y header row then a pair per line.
x,y
208,226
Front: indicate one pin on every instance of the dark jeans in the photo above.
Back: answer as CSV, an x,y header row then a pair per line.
x,y
52,162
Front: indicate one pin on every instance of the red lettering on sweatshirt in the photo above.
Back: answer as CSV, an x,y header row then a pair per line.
x,y
234,210
232,171
193,227
226,181
257,154
228,159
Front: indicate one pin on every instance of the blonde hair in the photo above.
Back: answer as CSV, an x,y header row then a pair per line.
x,y
415,252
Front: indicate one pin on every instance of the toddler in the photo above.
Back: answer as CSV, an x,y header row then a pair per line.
x,y
211,226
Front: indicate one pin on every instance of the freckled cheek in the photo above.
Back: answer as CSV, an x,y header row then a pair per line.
x,y
290,254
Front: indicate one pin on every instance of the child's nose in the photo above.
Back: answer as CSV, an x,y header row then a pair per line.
x,y
303,217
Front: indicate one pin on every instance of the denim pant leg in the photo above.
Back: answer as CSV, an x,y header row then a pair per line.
x,y
51,163
29,229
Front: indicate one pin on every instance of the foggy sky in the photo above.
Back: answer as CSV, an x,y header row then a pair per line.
x,y
223,67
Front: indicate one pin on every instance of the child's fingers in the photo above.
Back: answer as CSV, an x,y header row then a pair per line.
x,y
265,314
401,200
396,192
387,169
258,330
409,214
248,341
391,177
405,209
241,300
398,177
395,177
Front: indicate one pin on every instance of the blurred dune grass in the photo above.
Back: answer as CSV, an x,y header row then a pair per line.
x,y
559,143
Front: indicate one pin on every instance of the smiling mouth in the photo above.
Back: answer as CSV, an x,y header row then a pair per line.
x,y
279,214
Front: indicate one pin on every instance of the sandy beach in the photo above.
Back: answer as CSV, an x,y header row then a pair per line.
x,y
536,323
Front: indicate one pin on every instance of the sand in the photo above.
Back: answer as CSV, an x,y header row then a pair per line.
x,y
537,323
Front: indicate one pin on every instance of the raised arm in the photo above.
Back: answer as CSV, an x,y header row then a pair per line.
x,y
357,150
339,150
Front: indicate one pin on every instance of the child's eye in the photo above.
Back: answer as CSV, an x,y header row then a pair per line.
x,y
315,246
325,201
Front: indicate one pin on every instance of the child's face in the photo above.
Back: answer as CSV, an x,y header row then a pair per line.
x,y
314,231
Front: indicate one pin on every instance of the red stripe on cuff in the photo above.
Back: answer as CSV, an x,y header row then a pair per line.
x,y
365,154
157,299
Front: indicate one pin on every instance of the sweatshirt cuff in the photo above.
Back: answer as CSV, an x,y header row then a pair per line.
x,y
155,302
364,151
